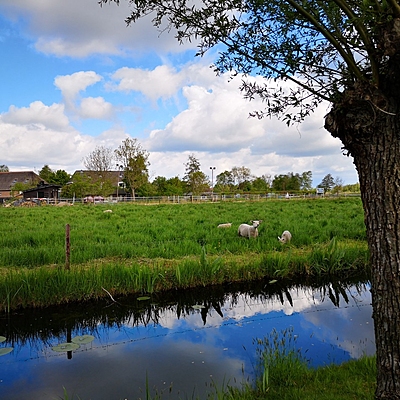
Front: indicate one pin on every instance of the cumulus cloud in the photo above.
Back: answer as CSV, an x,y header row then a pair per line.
x,y
71,85
78,29
37,135
96,108
196,111
161,82
37,115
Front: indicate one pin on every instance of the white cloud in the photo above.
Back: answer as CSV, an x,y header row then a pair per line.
x,y
196,111
71,85
37,115
96,108
39,135
80,29
161,82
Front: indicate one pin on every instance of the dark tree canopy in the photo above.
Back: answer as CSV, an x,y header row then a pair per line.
x,y
327,182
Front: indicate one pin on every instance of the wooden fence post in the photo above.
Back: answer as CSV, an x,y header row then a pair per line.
x,y
67,247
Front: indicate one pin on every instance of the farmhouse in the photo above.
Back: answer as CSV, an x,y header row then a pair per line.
x,y
8,180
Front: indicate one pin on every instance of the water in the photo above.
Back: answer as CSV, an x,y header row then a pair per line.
x,y
181,343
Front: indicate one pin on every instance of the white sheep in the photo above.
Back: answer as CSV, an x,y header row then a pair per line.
x,y
227,225
286,237
249,231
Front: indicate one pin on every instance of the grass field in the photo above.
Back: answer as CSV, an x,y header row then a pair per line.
x,y
142,249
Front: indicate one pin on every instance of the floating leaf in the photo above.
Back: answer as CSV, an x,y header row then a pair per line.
x,y
84,339
2,339
273,281
66,347
6,350
143,298
198,307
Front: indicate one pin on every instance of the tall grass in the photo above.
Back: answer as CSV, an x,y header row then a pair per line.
x,y
143,249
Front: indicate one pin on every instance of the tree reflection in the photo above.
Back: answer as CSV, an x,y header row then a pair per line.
x,y
38,327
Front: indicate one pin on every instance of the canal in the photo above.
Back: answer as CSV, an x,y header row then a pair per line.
x,y
178,344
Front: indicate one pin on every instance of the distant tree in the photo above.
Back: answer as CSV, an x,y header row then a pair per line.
x,y
160,185
146,190
46,173
306,180
100,163
225,182
61,177
337,185
261,183
353,188
327,183
241,175
134,160
196,180
101,159
4,168
288,182
168,187
79,186
175,186
267,178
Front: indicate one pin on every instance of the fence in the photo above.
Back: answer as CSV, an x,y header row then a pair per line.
x,y
205,198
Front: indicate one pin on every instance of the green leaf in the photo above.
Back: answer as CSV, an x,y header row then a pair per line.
x,y
2,339
6,350
65,347
143,298
84,339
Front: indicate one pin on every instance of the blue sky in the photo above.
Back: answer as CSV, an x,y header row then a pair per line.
x,y
73,76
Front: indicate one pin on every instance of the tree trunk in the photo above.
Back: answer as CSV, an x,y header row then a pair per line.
x,y
369,128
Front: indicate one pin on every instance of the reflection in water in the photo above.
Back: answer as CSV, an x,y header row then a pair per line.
x,y
182,341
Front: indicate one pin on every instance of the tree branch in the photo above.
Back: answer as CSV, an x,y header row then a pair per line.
x,y
369,47
348,58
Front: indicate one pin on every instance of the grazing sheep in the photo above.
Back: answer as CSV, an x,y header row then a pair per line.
x,y
107,211
286,237
249,231
227,225
63,204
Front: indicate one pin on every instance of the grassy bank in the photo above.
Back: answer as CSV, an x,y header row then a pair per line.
x,y
145,249
352,380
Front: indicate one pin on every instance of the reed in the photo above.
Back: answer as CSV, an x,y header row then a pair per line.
x,y
146,249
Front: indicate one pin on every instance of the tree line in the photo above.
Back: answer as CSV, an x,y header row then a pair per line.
x,y
128,167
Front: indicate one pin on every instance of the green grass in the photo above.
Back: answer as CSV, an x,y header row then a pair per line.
x,y
352,380
147,249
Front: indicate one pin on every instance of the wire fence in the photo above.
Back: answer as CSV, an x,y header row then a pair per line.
x,y
200,199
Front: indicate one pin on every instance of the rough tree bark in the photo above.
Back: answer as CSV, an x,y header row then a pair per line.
x,y
369,128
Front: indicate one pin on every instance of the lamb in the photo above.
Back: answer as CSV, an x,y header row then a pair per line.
x,y
227,225
249,231
286,237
